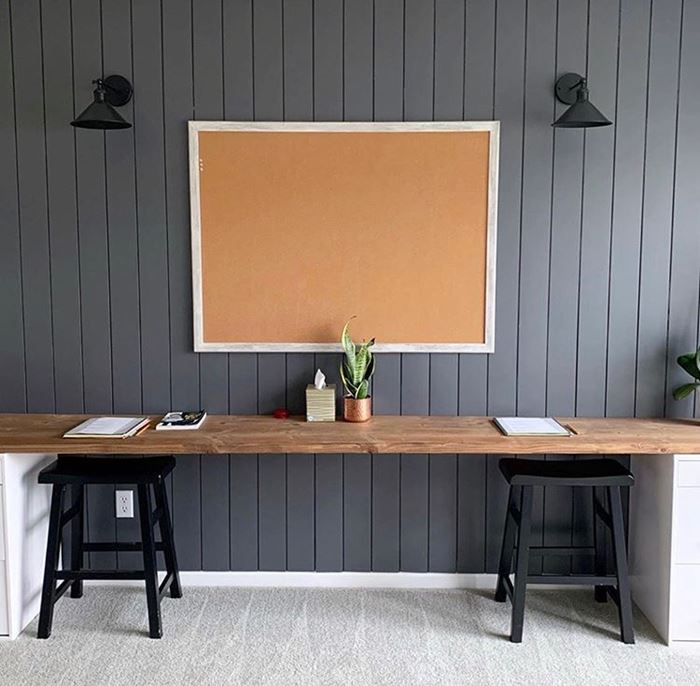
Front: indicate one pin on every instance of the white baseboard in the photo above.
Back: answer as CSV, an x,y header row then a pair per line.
x,y
339,580
396,580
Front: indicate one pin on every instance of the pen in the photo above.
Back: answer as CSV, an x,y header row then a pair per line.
x,y
142,429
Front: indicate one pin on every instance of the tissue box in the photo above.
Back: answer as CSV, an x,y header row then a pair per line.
x,y
320,403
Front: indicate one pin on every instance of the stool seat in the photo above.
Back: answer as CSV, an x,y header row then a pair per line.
x,y
594,472
71,469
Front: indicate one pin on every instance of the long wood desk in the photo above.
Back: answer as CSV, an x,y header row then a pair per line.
x,y
383,434
665,501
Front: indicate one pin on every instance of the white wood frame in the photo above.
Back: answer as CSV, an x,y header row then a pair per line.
x,y
493,127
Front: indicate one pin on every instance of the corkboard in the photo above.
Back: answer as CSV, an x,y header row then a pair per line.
x,y
295,228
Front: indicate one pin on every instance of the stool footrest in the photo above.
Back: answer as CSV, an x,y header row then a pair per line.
x,y
561,550
570,579
101,574
109,547
69,514
61,589
165,585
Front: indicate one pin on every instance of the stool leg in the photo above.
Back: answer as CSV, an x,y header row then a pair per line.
x,y
155,628
601,566
506,560
166,536
620,552
77,533
522,557
53,546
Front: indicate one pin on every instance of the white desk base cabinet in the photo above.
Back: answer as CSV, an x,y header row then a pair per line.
x,y
664,542
24,509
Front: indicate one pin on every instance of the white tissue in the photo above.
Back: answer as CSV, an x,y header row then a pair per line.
x,y
320,380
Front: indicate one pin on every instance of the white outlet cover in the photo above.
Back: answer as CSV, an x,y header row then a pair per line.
x,y
124,504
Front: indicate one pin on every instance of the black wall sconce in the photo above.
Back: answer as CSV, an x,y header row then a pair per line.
x,y
572,89
114,91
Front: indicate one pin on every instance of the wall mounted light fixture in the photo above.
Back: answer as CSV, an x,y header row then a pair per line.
x,y
114,91
572,89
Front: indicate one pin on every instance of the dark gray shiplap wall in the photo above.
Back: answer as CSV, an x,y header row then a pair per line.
x,y
598,255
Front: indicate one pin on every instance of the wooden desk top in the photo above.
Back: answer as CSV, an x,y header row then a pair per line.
x,y
41,433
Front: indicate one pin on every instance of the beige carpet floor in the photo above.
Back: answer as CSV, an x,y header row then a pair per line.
x,y
223,636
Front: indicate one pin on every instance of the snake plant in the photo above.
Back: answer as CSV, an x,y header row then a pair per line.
x,y
690,362
358,365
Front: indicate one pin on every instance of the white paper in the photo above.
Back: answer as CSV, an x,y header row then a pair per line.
x,y
320,380
107,426
531,426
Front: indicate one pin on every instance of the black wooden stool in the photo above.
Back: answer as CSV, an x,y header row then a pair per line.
x,y
77,472
603,475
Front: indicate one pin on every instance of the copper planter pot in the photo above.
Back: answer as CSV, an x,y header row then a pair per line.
x,y
357,410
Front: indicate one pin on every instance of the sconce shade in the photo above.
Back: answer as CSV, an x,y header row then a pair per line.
x,y
572,88
114,91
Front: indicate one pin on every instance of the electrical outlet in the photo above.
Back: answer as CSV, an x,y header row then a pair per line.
x,y
125,504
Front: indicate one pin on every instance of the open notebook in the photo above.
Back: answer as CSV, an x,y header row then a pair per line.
x,y
107,427
531,426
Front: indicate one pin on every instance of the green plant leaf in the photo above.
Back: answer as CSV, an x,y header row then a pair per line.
x,y
362,390
685,390
348,346
691,364
350,387
361,362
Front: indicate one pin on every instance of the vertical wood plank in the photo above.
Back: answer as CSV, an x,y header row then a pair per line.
x,y
122,238
449,59
299,106
207,56
657,208
358,95
300,532
328,60
178,107
243,399
149,136
386,394
298,60
388,60
268,79
30,132
300,472
329,513
94,261
13,398
502,365
63,213
329,486
122,245
564,276
357,512
596,220
627,207
685,271
442,525
238,59
272,469
243,368
480,27
415,488
92,221
419,48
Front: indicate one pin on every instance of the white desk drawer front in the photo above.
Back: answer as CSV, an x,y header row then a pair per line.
x,y
688,473
686,532
2,526
685,601
4,618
